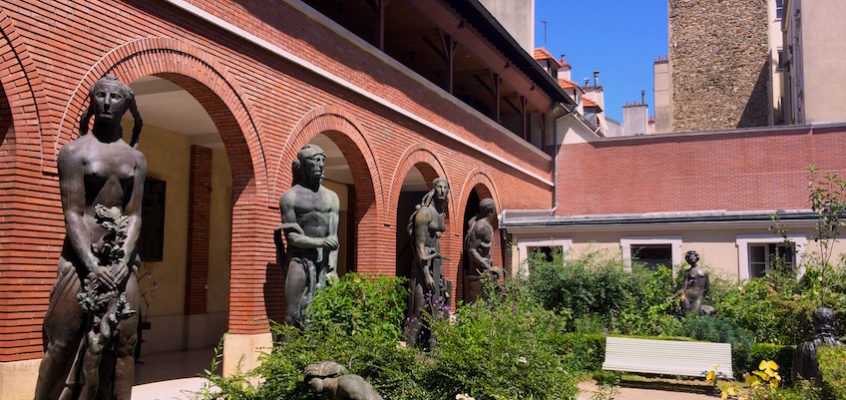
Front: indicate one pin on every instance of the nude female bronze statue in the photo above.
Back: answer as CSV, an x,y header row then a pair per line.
x,y
696,286
310,214
477,250
90,326
430,290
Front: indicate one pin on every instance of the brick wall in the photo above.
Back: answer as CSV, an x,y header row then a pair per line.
x,y
719,64
263,107
199,207
763,169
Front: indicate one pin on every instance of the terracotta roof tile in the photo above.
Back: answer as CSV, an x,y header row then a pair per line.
x,y
541,54
567,84
586,102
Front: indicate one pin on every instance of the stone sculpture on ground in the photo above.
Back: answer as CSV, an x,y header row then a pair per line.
x,y
332,381
91,322
805,356
430,290
477,250
696,286
310,215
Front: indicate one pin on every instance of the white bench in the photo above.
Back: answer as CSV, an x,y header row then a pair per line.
x,y
667,357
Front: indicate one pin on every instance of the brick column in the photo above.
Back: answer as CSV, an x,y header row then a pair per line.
x,y
199,204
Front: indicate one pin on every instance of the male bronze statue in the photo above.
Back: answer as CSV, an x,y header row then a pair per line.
x,y
477,250
310,225
332,381
91,322
430,290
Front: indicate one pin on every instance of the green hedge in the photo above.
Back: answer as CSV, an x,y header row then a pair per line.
x,y
833,371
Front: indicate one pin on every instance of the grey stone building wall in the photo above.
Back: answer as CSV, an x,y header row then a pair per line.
x,y
719,64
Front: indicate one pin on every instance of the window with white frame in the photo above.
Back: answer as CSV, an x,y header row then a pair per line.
x,y
758,253
651,250
546,246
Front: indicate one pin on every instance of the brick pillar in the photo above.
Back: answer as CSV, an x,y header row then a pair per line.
x,y
199,204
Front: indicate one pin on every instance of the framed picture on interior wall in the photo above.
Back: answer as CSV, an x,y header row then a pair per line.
x,y
151,242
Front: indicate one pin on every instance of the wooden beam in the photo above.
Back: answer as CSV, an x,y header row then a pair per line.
x,y
435,48
496,84
449,46
524,120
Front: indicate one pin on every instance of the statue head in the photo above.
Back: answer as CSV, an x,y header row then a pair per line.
x,y
692,257
309,165
487,207
823,319
440,189
108,101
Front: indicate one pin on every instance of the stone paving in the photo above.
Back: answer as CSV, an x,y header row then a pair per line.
x,y
588,388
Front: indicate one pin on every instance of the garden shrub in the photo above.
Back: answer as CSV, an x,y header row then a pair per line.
x,y
503,348
832,362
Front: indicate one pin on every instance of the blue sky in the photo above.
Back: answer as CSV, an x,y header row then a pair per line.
x,y
620,38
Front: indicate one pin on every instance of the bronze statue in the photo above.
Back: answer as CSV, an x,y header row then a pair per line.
x,y
430,290
91,324
477,250
310,215
332,380
696,286
805,356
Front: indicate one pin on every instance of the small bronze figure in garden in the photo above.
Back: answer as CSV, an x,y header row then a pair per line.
x,y
91,322
430,290
332,381
477,250
696,286
310,215
805,356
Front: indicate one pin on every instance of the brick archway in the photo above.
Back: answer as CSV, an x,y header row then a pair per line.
x,y
480,182
367,203
252,223
22,79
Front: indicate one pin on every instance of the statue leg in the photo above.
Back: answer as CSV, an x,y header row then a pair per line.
x,y
63,325
416,302
127,337
295,286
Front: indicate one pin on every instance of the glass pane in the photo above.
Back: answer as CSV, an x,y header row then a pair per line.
x,y
653,255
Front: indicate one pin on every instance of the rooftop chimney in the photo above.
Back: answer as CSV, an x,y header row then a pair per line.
x,y
595,78
562,59
642,96
587,82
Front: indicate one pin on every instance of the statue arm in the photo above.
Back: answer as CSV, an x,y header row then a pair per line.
x,y
72,188
133,211
421,232
294,233
482,235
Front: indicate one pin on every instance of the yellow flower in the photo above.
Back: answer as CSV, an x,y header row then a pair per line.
x,y
710,377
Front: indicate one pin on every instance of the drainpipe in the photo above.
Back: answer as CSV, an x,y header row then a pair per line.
x,y
555,157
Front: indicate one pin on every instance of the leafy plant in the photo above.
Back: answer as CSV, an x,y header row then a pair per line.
x,y
828,202
832,364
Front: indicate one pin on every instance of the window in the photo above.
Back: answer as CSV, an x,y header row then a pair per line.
x,y
757,252
779,9
544,251
653,255
780,60
528,246
651,251
762,257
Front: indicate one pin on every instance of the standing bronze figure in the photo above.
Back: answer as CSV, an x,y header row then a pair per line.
x,y
91,325
696,286
805,364
310,215
430,290
477,250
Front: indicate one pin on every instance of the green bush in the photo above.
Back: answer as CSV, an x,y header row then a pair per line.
x,y
603,298
504,348
802,391
832,362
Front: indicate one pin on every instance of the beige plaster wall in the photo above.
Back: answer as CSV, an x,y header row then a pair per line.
x,y
168,157
716,247
220,238
824,55
343,196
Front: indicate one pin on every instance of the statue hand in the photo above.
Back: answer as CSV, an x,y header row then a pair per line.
x,y
430,283
122,273
330,243
332,278
104,276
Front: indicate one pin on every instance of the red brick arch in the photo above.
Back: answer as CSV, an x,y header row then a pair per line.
x,y
481,182
24,92
339,126
209,84
190,68
415,156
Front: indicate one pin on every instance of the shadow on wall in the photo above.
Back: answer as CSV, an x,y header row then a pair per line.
x,y
5,116
757,106
274,292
